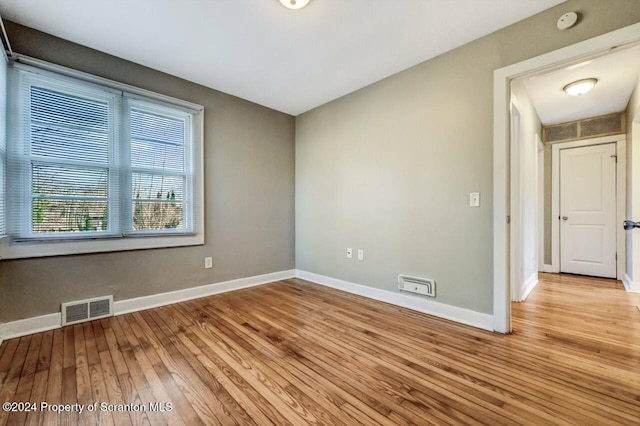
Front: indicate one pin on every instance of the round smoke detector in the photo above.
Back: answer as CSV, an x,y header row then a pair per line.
x,y
567,20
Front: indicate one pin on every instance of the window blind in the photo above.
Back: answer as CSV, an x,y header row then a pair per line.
x,y
71,142
63,168
160,180
92,162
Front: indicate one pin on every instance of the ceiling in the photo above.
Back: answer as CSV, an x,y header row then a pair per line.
x,y
617,75
288,60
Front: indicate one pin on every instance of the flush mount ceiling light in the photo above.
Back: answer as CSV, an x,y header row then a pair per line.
x,y
294,4
580,87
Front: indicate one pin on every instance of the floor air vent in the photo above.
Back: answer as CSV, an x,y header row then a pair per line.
x,y
424,286
86,310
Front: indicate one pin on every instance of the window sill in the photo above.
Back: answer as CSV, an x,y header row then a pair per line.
x,y
22,250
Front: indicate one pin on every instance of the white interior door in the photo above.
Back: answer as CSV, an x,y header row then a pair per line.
x,y
588,210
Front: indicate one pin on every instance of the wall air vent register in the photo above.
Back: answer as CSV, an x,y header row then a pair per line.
x,y
87,310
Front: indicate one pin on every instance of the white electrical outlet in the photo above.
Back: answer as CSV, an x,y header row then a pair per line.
x,y
349,253
474,199
360,254
208,262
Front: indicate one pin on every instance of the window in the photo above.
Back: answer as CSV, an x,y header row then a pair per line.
x,y
160,181
65,163
94,167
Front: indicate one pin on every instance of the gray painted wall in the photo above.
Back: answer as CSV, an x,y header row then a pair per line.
x,y
249,186
389,168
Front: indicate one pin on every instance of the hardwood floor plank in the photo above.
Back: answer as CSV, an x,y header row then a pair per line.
x,y
9,350
113,390
154,384
54,378
334,342
291,358
98,334
273,345
115,349
44,357
362,380
422,340
130,396
388,411
265,385
139,371
251,400
214,402
68,397
83,377
269,364
294,353
38,393
12,377
179,384
98,387
25,384
245,399
387,340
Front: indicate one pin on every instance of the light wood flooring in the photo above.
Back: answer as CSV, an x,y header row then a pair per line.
x,y
295,353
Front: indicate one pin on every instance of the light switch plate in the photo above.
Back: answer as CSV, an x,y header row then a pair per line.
x,y
474,199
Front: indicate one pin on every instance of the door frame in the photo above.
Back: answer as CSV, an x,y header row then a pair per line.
x,y
502,77
621,191
515,254
541,206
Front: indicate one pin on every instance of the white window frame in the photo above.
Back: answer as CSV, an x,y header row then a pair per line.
x,y
20,152
149,106
11,248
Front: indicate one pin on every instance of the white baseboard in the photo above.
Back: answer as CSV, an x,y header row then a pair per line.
x,y
630,286
153,301
52,321
20,328
528,287
416,303
548,268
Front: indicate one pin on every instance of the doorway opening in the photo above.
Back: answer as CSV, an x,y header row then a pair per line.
x,y
512,257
